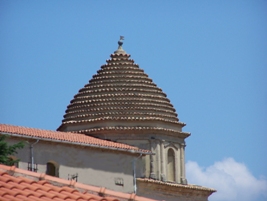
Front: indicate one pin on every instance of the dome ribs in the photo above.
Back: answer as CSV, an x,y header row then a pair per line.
x,y
147,104
118,114
120,64
89,92
120,55
94,82
112,106
120,74
120,77
132,118
124,100
119,85
134,67
121,92
128,94
119,110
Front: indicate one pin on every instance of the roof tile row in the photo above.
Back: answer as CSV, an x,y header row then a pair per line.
x,y
17,184
81,139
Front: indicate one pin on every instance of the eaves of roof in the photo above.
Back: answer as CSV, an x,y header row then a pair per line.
x,y
69,138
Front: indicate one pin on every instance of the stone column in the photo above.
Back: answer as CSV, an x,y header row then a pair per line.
x,y
183,178
177,165
152,159
158,159
163,161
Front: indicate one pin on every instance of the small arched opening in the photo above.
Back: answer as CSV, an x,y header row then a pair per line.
x,y
52,168
171,166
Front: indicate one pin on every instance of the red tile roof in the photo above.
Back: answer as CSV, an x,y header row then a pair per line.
x,y
67,137
18,184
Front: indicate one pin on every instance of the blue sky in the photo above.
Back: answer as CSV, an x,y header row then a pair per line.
x,y
209,57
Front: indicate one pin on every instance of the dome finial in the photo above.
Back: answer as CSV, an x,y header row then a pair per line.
x,y
120,50
120,42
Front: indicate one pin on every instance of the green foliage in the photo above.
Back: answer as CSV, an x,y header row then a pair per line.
x,y
7,150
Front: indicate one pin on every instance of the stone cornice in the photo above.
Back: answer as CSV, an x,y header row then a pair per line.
x,y
110,130
173,188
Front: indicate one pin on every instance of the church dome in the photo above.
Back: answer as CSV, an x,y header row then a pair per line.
x,y
120,97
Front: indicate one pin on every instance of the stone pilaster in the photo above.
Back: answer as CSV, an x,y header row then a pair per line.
x,y
152,159
163,161
158,161
183,178
177,165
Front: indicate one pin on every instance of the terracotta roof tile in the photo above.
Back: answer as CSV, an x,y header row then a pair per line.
x,y
14,186
67,137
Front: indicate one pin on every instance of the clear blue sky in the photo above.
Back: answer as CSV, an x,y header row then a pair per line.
x,y
209,57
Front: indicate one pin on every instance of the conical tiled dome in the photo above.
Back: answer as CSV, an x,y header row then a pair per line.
x,y
120,97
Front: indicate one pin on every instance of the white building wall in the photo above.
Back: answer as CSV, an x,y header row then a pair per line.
x,y
98,167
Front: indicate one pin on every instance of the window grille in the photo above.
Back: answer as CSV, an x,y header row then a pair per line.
x,y
33,168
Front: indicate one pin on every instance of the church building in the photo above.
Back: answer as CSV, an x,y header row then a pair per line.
x,y
120,132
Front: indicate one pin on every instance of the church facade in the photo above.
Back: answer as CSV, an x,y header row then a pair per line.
x,y
139,143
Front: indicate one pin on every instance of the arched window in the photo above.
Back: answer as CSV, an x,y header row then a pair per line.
x,y
171,166
52,168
